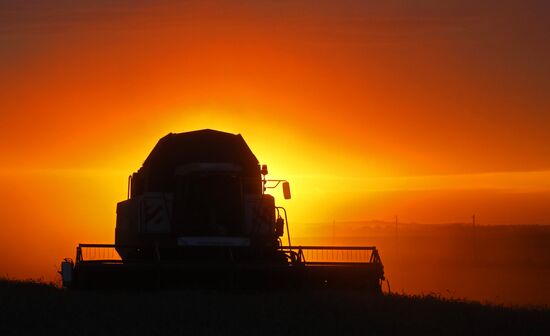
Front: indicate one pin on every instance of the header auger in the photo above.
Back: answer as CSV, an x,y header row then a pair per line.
x,y
197,215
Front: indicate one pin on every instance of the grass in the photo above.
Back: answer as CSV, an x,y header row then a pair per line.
x,y
35,308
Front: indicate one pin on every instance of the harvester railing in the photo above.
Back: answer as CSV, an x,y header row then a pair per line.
x,y
326,255
306,255
97,252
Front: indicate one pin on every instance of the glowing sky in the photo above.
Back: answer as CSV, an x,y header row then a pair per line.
x,y
430,110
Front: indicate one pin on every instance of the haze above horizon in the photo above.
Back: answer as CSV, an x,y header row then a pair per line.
x,y
431,112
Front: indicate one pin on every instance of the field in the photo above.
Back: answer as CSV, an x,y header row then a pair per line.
x,y
508,264
30,308
446,271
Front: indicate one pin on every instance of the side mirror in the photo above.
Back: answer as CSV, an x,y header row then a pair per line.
x,y
286,190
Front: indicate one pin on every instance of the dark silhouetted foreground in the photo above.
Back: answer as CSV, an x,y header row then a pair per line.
x,y
37,309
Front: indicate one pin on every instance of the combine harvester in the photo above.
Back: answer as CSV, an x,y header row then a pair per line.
x,y
197,215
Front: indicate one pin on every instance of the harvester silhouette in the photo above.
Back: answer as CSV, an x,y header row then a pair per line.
x,y
197,215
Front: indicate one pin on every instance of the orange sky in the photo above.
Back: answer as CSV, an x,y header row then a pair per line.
x,y
431,112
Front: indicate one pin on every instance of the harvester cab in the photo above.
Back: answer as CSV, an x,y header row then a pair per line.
x,y
198,213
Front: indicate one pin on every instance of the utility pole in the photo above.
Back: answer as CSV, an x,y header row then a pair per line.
x,y
475,237
333,231
396,236
396,227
